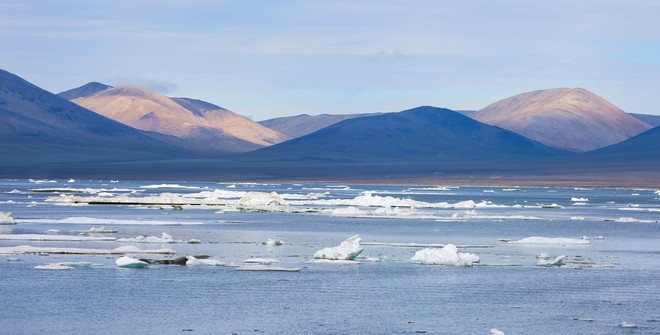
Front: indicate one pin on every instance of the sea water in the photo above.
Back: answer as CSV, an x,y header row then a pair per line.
x,y
614,278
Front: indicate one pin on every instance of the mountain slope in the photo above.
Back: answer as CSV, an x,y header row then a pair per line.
x,y
38,127
204,126
653,120
84,91
301,125
573,119
422,134
644,147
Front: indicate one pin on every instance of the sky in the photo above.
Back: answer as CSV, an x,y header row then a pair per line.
x,y
266,59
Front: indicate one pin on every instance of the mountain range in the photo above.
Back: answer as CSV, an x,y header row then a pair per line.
x,y
130,132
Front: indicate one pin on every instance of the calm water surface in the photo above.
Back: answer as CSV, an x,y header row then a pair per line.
x,y
604,283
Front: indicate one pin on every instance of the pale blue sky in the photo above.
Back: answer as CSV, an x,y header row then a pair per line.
x,y
265,59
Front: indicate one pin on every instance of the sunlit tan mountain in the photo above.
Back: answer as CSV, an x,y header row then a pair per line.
x,y
301,125
566,118
39,129
203,123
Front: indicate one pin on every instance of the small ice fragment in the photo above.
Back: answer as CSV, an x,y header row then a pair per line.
x,y
448,255
551,206
599,237
130,262
193,241
333,261
271,242
577,218
627,325
101,230
543,255
558,261
347,250
71,180
53,231
52,266
13,259
6,218
494,331
547,240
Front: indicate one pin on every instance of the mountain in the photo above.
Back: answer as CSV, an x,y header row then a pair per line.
x,y
644,147
419,134
565,118
653,120
84,91
39,128
204,126
301,125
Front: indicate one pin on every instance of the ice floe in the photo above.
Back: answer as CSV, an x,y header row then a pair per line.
x,y
262,261
266,268
7,218
99,191
101,230
50,237
494,331
41,181
347,250
26,249
557,261
627,325
194,261
547,240
130,262
52,266
259,199
88,220
448,255
164,238
577,218
170,186
333,261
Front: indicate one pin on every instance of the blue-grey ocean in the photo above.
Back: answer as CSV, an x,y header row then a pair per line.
x,y
608,283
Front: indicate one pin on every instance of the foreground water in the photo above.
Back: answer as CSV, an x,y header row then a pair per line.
x,y
613,277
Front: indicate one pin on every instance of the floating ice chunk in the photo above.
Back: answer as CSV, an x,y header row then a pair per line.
x,y
488,191
6,218
53,231
577,218
347,250
627,325
79,264
548,240
52,266
193,261
14,191
130,262
262,261
165,238
558,261
266,268
494,331
448,255
71,180
626,219
231,186
271,242
252,199
26,249
574,199
47,237
599,237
